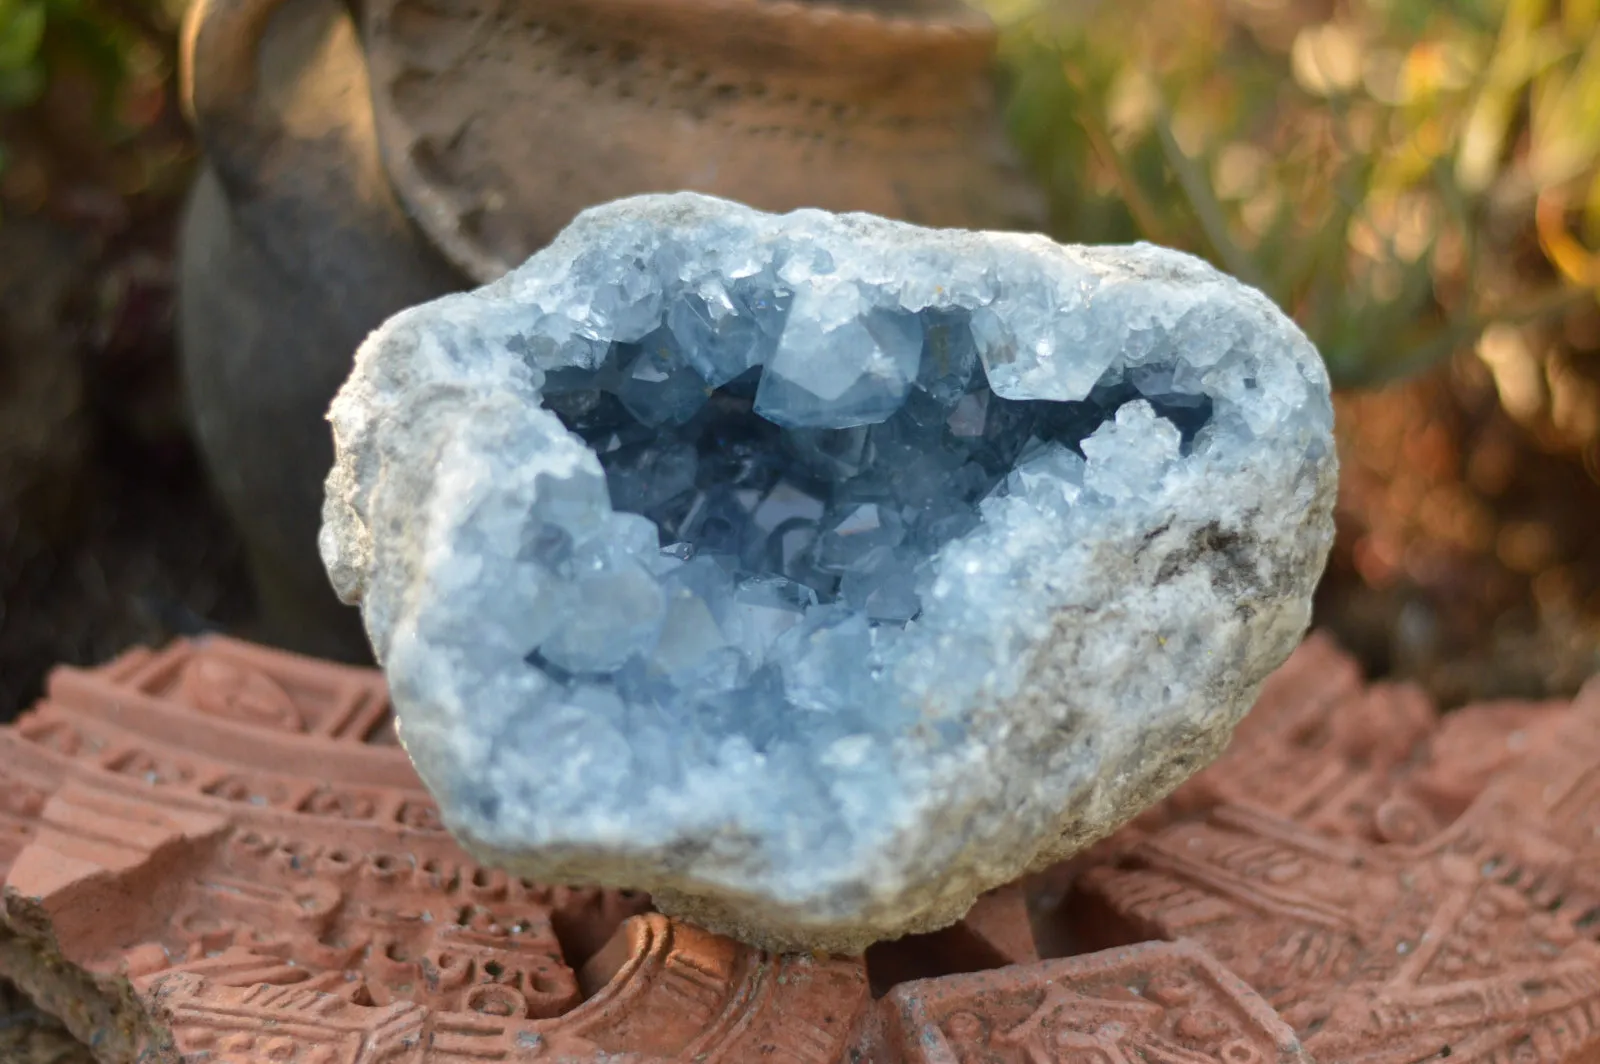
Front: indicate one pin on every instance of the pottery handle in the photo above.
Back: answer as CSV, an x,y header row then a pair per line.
x,y
218,75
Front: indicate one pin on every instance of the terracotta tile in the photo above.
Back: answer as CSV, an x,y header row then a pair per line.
x,y
1535,823
217,853
1471,746
1402,885
669,992
1155,1002
1474,942
999,930
1326,762
211,848
1345,759
1370,956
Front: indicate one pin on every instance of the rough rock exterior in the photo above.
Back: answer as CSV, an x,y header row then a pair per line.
x,y
818,573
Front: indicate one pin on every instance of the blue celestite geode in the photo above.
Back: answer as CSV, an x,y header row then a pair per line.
x,y
820,572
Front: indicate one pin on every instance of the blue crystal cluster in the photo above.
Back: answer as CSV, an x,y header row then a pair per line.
x,y
787,444
795,485
821,565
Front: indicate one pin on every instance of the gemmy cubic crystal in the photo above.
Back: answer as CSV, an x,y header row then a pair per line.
x,y
817,573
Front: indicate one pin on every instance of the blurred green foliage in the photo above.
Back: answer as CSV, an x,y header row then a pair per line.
x,y
111,41
110,63
21,66
1398,174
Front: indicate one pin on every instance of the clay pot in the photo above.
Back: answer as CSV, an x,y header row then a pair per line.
x,y
359,161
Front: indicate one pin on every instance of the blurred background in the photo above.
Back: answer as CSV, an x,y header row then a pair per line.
x,y
1416,182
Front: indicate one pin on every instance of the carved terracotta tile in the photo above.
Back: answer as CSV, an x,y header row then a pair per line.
x,y
1471,747
1535,824
998,930
1154,1003
1473,944
664,992
216,853
1318,746
1370,955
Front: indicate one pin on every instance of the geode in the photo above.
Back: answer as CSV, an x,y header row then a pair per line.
x,y
817,573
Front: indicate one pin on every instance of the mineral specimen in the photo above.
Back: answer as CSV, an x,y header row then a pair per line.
x,y
818,573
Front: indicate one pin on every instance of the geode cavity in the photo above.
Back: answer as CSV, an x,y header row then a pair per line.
x,y
818,573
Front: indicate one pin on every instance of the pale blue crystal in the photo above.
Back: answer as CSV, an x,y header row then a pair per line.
x,y
1145,447
887,593
969,416
785,503
824,669
834,454
657,385
719,522
857,373
1051,474
859,537
726,333
765,607
612,610
694,650
645,479
949,355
